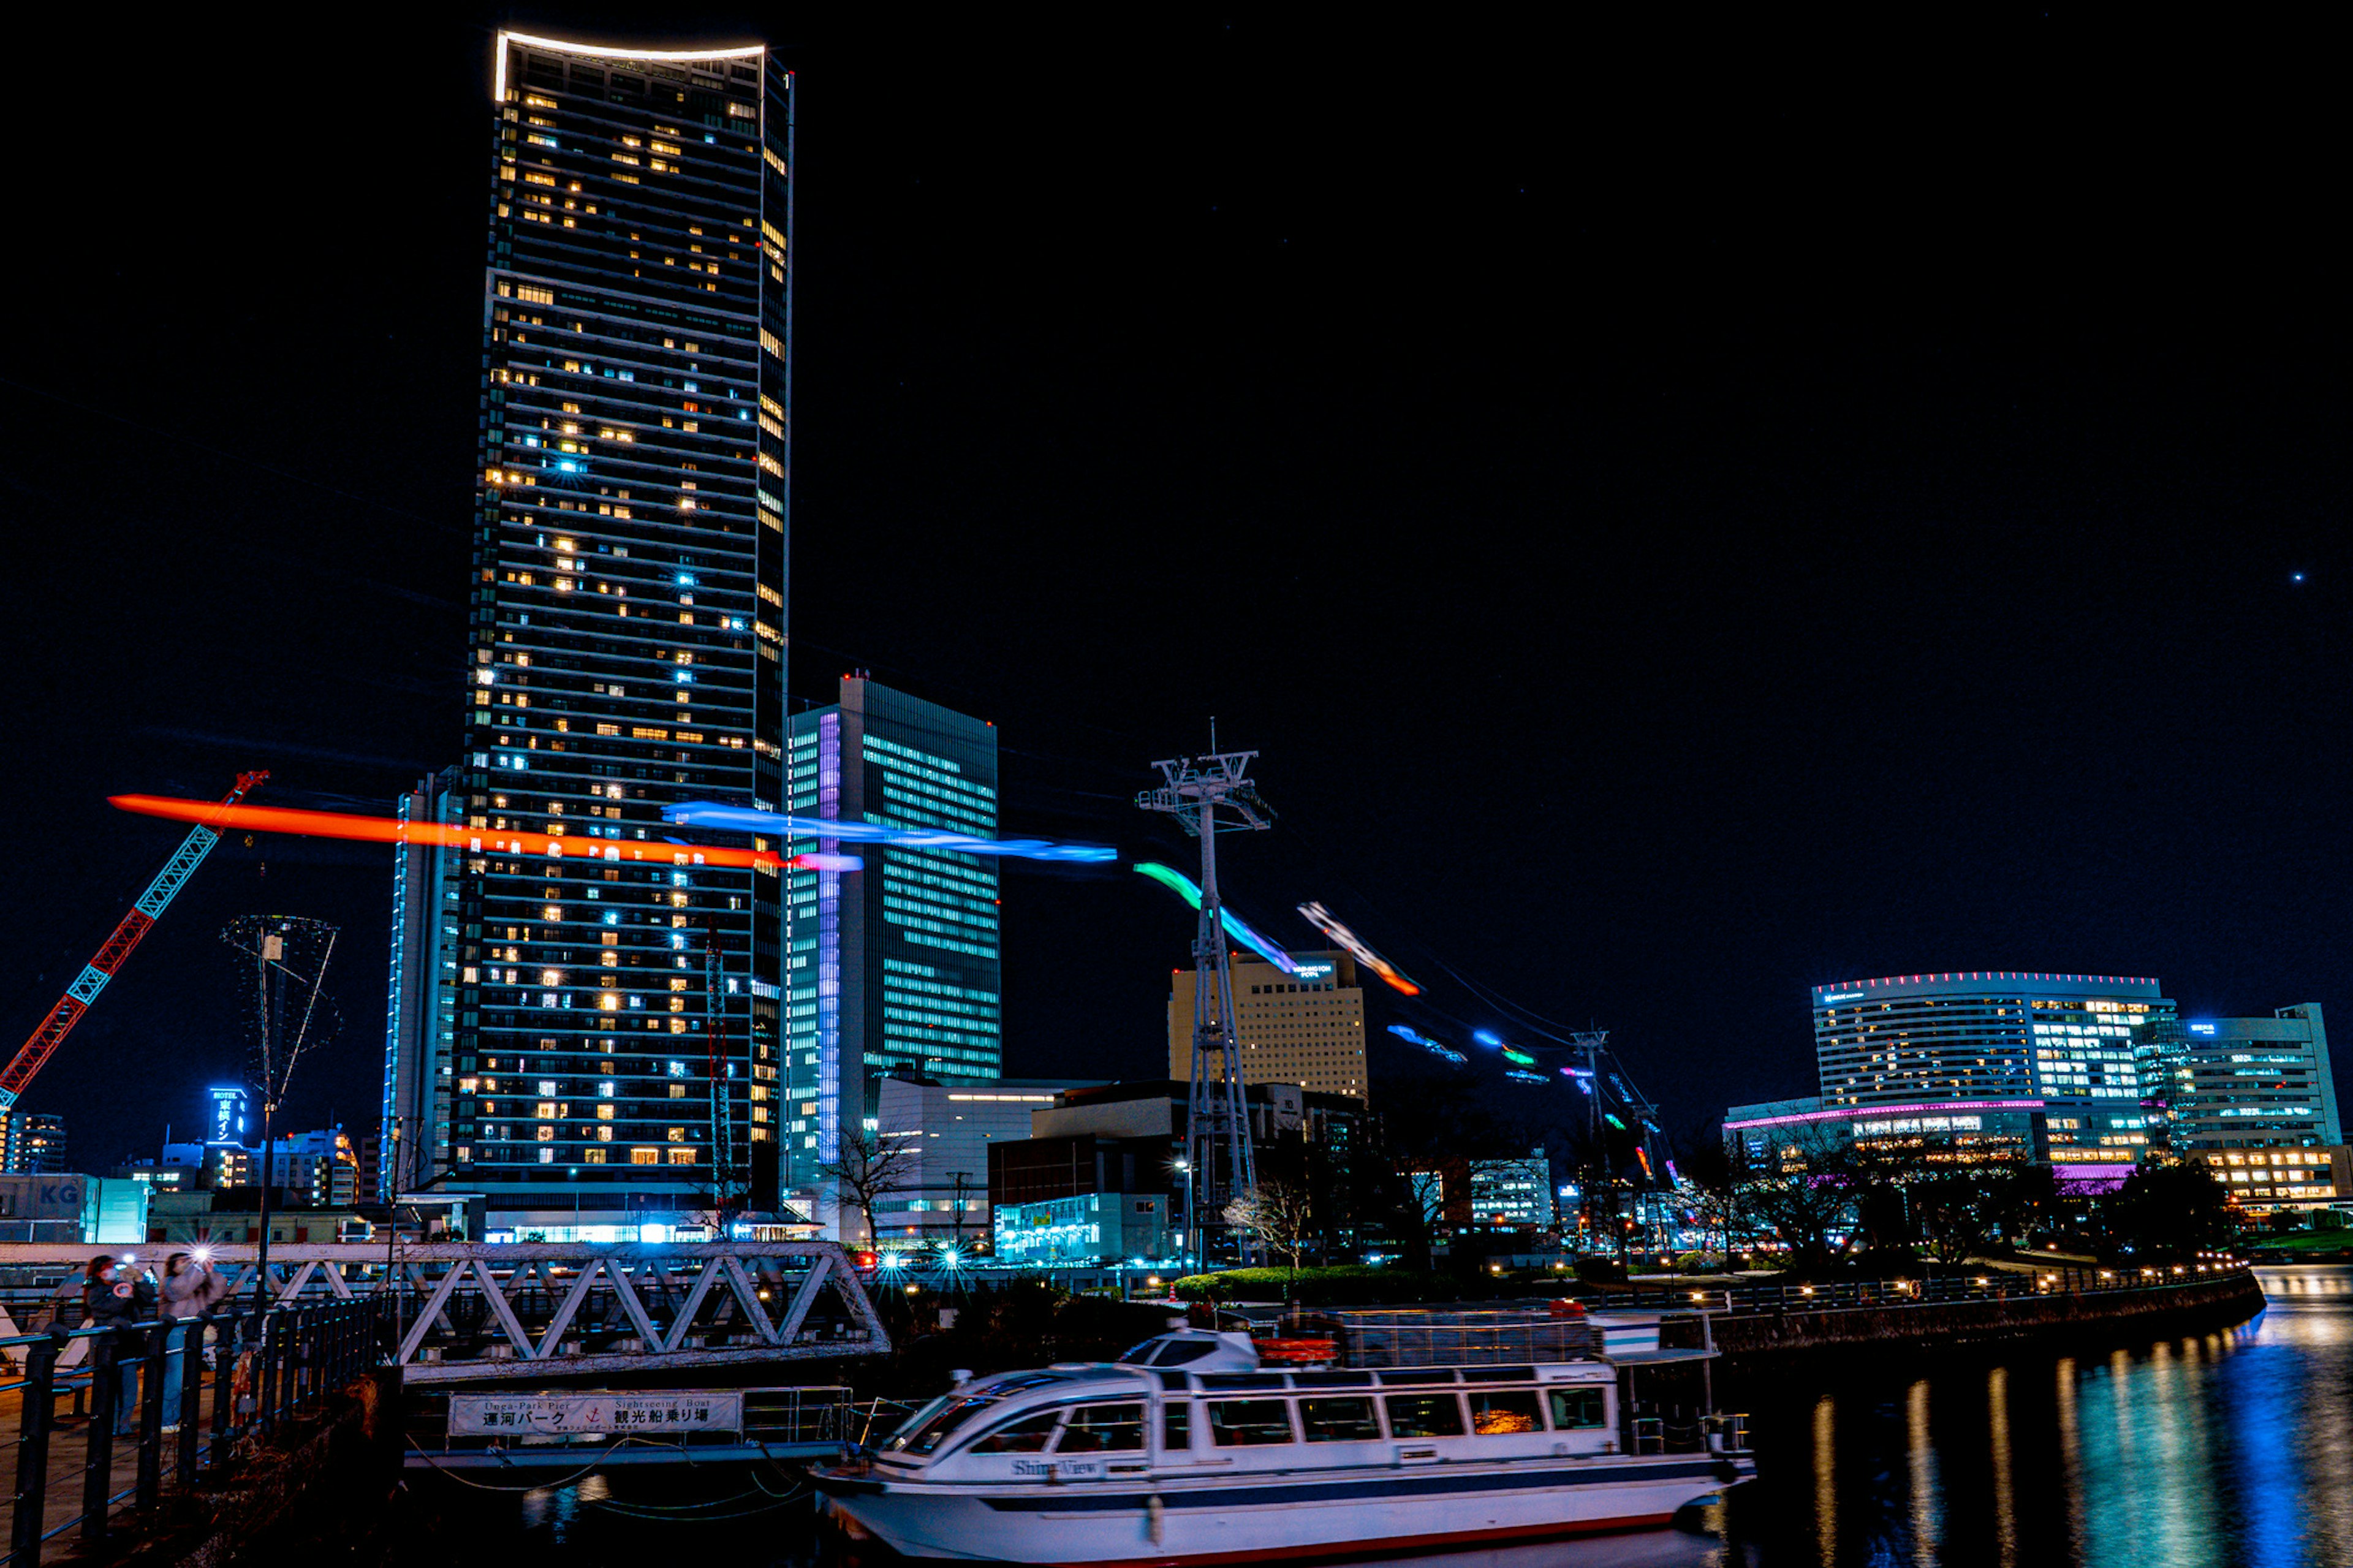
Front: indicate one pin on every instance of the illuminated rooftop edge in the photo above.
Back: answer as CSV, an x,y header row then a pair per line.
x,y
602,51
1904,982
1857,1112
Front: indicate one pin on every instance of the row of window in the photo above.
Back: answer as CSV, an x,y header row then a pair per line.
x,y
1262,1423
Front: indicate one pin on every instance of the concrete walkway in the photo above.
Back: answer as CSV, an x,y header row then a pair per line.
x,y
68,1468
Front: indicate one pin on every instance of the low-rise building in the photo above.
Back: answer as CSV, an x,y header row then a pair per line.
x,y
939,1189
2262,1182
71,1209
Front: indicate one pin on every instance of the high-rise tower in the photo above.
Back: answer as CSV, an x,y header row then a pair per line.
x,y
625,643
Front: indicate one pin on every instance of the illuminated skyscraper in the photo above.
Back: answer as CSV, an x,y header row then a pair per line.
x,y
895,964
625,645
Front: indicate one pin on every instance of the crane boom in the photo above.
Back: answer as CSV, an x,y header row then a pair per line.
x,y
33,1053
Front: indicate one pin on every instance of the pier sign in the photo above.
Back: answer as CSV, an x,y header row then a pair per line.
x,y
646,1413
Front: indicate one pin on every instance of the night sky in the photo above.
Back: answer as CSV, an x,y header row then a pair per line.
x,y
1685,515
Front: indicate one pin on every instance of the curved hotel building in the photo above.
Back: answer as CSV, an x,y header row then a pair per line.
x,y
1979,1065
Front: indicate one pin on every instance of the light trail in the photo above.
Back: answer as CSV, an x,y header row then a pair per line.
x,y
1321,918
1414,1037
708,813
1183,888
472,840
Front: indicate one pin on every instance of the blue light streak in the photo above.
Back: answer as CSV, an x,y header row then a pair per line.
x,y
1413,1036
1486,1037
1186,888
721,818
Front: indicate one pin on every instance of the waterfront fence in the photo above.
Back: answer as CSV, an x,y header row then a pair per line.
x,y
1749,1299
265,1369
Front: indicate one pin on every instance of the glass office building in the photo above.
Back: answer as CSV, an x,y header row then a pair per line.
x,y
894,965
1980,1051
2241,1083
624,646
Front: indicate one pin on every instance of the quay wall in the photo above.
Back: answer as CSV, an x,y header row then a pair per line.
x,y
2203,1303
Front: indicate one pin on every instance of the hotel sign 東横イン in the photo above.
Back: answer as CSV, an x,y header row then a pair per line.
x,y
597,1415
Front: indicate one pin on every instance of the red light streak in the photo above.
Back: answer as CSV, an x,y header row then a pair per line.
x,y
1321,918
473,840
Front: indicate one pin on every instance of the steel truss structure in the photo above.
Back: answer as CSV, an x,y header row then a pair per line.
x,y
1219,1162
480,1310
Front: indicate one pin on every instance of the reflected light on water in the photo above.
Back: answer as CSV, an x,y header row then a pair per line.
x,y
2198,1451
2005,1499
1825,1481
1920,1460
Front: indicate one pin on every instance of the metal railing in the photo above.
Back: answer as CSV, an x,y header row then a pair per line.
x,y
1748,1299
475,1311
267,1368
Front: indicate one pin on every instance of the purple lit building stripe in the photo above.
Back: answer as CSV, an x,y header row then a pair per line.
x,y
1855,1114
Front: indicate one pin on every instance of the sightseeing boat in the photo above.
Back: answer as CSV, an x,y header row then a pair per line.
x,y
1365,1432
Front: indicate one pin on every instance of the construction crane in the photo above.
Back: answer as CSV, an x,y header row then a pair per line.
x,y
33,1053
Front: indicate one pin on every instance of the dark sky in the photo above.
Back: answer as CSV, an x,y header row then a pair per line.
x,y
1686,514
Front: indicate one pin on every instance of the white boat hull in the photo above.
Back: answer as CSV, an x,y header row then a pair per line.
x,y
1181,1519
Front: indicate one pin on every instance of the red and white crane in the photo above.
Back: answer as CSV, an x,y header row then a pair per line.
x,y
33,1053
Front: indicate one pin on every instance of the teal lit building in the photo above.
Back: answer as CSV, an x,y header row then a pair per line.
x,y
893,965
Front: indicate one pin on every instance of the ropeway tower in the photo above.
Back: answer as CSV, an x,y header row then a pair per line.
x,y
1208,795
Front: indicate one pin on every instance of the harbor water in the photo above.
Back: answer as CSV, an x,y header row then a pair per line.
x,y
2214,1451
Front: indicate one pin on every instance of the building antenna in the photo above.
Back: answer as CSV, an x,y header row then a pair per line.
x,y
1219,1166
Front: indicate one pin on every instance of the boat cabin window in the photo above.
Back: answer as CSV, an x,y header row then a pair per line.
x,y
1390,1375
1331,1380
924,1434
1027,1435
1494,1413
1162,1352
1339,1421
1424,1415
1176,1426
1102,1428
1575,1407
1249,1422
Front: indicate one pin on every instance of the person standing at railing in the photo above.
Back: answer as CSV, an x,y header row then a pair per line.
x,y
115,1295
190,1288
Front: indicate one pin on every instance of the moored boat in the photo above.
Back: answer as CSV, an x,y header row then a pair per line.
x,y
1195,1447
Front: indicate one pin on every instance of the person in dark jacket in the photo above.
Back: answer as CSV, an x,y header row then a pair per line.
x,y
114,1295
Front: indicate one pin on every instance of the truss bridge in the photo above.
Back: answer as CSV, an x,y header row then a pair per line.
x,y
470,1312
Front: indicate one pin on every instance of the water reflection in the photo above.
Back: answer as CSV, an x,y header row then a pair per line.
x,y
2226,1450
2206,1451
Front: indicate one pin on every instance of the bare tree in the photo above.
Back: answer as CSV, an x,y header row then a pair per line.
x,y
869,1165
1279,1215
1809,1188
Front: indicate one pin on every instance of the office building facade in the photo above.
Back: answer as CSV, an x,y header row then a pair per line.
x,y
892,966
625,648
2053,1055
1306,1028
2241,1083
940,1187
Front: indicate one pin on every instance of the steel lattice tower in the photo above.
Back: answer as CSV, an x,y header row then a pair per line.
x,y
1219,1162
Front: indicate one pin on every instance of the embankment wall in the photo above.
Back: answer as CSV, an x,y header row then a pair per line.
x,y
2203,1303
